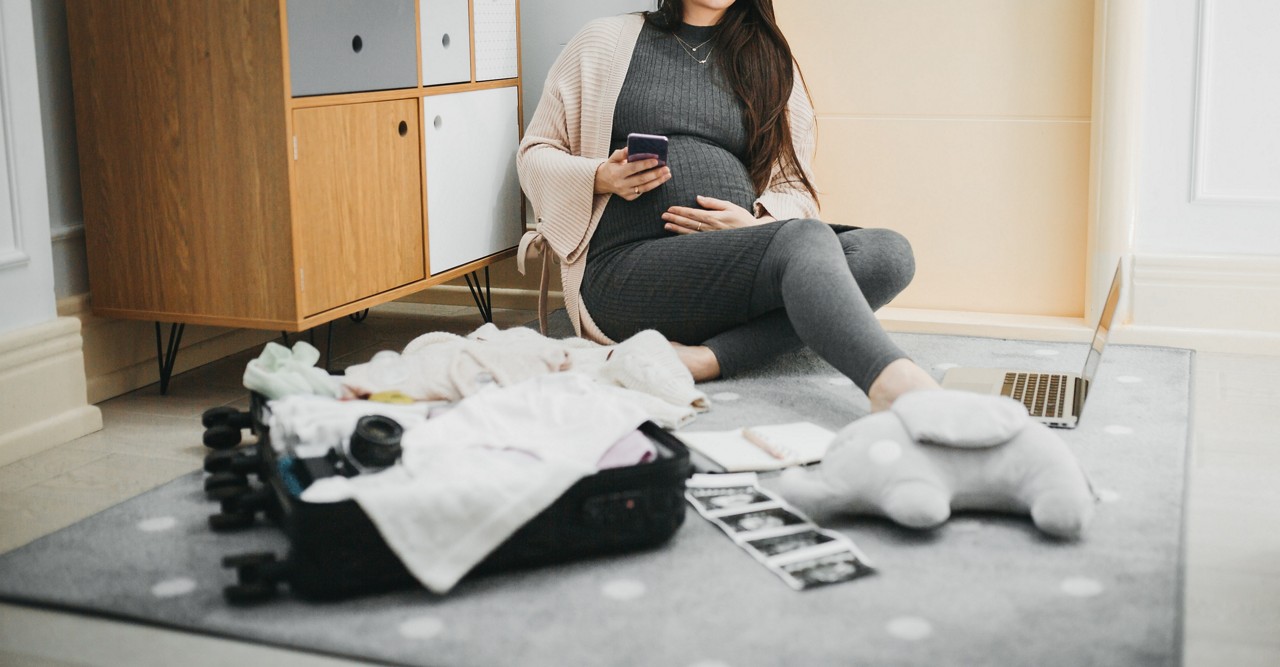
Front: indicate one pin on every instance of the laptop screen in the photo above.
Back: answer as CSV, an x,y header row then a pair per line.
x,y
1104,328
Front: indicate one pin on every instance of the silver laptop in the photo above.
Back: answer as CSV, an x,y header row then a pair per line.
x,y
1056,399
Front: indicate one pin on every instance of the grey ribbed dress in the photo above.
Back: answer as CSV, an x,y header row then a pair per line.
x,y
729,289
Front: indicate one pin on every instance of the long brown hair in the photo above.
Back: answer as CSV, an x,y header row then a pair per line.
x,y
757,62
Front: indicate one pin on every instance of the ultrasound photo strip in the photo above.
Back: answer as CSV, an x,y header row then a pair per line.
x,y
712,501
777,535
756,518
812,571
796,538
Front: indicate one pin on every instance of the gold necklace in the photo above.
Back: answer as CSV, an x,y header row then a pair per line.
x,y
691,50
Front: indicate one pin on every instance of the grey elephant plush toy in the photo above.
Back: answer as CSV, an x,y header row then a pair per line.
x,y
938,451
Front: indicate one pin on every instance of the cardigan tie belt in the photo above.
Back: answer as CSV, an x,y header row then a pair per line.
x,y
534,242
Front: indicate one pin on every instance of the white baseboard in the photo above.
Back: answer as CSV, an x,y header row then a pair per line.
x,y
985,325
43,400
120,355
1227,304
503,297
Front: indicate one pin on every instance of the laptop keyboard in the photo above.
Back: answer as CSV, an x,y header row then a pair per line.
x,y
1044,394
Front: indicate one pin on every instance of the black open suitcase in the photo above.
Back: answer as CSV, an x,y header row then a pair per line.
x,y
335,551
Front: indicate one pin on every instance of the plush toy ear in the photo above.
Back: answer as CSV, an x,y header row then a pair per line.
x,y
960,418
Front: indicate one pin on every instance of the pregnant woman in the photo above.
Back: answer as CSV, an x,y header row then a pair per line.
x,y
719,250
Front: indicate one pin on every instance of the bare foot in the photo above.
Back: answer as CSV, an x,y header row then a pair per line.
x,y
700,361
898,378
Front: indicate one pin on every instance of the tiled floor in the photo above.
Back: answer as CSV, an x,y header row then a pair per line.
x,y
1233,558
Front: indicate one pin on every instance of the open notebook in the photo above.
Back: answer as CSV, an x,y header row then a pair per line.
x,y
756,448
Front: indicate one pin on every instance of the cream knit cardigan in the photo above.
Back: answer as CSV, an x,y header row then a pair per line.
x,y
569,138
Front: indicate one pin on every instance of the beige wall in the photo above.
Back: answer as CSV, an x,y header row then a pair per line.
x,y
965,125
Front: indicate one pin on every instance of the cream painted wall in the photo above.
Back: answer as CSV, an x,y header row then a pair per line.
x,y
965,125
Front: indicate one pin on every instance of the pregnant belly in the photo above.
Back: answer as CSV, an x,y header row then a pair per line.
x,y
697,168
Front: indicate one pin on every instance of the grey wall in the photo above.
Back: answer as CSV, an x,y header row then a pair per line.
x,y
62,169
547,25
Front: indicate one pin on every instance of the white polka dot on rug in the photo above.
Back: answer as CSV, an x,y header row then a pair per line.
x,y
1108,496
910,628
945,366
964,525
1081,587
839,381
1117,429
623,590
884,452
1046,353
172,588
421,627
157,524
725,396
1128,379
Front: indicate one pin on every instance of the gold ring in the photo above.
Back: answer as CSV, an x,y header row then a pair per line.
x,y
699,225
636,190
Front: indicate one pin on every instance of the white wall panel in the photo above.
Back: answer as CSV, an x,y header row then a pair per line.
x,y
26,265
1209,158
1237,149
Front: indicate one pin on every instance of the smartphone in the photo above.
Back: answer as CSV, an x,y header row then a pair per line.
x,y
646,147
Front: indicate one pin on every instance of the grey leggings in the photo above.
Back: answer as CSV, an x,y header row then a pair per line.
x,y
816,287
755,292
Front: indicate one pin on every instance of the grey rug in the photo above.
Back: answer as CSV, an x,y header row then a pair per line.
x,y
983,589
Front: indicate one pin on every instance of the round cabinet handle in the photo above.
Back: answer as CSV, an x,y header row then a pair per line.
x,y
438,122
445,41
357,44
404,128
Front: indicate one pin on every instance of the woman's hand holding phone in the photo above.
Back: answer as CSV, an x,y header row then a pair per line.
x,y
629,180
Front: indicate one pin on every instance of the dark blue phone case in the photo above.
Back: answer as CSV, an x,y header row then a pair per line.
x,y
646,146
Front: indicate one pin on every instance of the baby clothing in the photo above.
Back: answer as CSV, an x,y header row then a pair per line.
x,y
442,366
469,478
280,372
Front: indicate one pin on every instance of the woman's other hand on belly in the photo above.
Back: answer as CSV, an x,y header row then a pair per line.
x,y
715,214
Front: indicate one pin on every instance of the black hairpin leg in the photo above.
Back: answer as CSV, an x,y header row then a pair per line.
x,y
284,338
328,347
360,316
166,358
328,343
483,298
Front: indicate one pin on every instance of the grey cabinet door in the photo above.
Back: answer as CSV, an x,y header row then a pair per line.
x,y
344,46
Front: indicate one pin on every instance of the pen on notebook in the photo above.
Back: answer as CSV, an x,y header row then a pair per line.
x,y
780,453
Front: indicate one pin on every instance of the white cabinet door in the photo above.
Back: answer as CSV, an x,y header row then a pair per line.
x,y
497,47
446,42
473,195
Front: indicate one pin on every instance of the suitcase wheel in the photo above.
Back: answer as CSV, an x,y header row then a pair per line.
x,y
240,505
223,522
225,415
219,481
221,436
246,595
239,461
257,577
